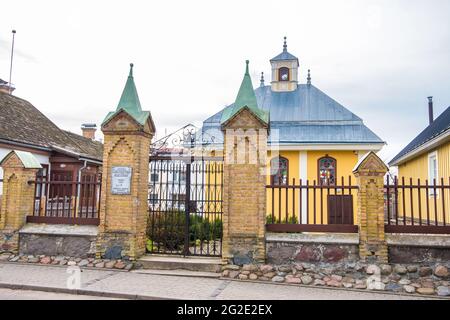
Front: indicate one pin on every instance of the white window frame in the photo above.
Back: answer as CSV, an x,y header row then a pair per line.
x,y
431,191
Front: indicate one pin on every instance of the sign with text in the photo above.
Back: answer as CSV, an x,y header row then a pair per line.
x,y
121,180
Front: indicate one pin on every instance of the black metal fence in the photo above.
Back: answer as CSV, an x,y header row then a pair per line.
x,y
185,206
415,206
312,207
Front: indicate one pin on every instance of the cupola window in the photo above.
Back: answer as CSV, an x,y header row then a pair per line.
x,y
284,74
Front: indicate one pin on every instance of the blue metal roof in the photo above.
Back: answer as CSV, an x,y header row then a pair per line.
x,y
284,56
306,115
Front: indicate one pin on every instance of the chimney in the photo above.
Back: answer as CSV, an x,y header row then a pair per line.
x,y
430,109
5,87
88,130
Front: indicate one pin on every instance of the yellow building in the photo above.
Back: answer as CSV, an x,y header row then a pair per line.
x,y
426,160
313,139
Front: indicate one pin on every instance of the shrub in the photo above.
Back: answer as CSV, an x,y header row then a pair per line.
x,y
168,229
275,220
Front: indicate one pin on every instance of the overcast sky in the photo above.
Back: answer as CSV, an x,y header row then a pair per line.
x,y
380,59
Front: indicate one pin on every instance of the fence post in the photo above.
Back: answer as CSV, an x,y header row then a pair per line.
x,y
370,171
244,188
19,168
124,195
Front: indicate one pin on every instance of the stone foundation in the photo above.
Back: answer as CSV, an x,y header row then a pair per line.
x,y
411,278
58,240
114,245
9,241
317,248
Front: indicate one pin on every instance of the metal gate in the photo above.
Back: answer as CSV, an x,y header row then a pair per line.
x,y
185,205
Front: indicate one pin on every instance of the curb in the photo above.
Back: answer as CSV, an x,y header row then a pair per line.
x,y
81,292
64,266
413,295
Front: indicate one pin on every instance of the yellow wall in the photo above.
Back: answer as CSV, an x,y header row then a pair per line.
x,y
345,160
417,168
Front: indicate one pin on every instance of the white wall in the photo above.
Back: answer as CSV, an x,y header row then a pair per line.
x,y
4,151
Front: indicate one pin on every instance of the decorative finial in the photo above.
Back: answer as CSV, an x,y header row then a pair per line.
x,y
246,67
131,70
262,80
308,79
285,45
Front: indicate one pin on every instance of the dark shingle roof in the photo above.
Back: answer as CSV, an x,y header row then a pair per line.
x,y
436,128
21,122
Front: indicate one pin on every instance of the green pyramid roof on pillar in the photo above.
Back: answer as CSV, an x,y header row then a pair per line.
x,y
129,102
246,98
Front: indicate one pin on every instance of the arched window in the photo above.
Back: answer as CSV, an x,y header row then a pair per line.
x,y
279,171
327,171
283,74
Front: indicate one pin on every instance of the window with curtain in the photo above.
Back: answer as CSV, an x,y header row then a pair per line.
x,y
279,169
327,171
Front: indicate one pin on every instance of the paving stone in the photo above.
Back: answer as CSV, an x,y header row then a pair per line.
x,y
404,281
243,277
253,276
443,291
412,269
441,271
278,279
425,271
290,279
409,289
307,280
249,267
427,291
399,269
319,282
83,263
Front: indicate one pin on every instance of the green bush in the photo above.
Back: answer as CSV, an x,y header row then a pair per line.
x,y
168,230
275,220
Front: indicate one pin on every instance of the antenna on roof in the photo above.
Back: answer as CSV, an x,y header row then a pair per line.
x,y
308,79
262,80
11,65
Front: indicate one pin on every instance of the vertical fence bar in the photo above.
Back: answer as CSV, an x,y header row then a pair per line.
x,y
300,205
443,201
388,200
403,201
427,194
314,201
186,206
307,201
419,196
396,199
293,201
435,203
411,199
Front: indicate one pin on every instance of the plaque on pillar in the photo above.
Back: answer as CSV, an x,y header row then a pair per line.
x,y
121,180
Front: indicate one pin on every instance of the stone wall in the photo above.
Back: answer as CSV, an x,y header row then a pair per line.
x,y
418,248
317,248
57,245
58,240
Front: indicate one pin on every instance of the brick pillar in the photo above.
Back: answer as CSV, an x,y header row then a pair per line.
x,y
124,213
18,196
369,173
244,192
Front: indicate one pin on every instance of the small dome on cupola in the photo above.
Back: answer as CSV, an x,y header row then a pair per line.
x,y
284,71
